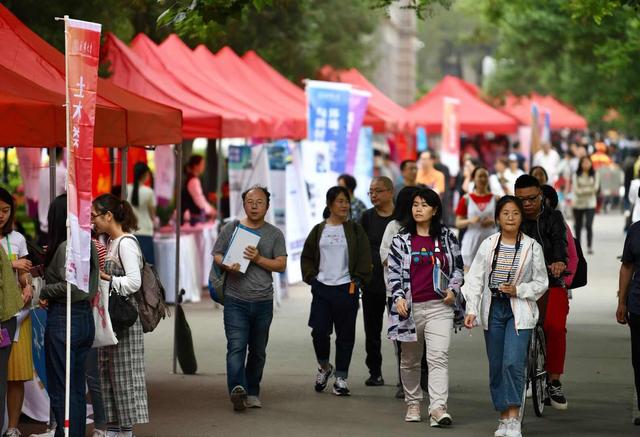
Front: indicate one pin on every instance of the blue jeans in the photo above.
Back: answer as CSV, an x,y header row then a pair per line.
x,y
82,333
246,325
507,352
95,390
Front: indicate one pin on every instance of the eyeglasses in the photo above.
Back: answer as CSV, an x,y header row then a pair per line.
x,y
256,203
95,216
530,199
376,192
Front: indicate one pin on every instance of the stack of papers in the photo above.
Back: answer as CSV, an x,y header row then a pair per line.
x,y
242,238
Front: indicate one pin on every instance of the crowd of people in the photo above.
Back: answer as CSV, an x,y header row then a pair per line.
x,y
433,255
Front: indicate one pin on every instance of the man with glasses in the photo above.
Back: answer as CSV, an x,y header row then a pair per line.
x,y
547,227
248,298
374,297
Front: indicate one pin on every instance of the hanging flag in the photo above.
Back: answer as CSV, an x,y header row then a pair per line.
x,y
328,118
358,102
450,151
535,131
82,53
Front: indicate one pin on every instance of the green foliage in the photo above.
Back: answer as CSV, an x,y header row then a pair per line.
x,y
586,53
296,36
423,8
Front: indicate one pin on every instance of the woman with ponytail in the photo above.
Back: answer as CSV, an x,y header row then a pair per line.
x,y
193,199
122,371
336,262
143,201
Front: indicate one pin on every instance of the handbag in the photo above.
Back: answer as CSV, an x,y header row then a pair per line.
x,y
122,312
104,335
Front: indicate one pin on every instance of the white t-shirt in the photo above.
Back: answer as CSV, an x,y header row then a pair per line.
x,y
15,245
334,256
548,161
146,199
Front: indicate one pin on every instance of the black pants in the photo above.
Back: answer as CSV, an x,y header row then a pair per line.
x,y
582,215
334,306
634,326
373,305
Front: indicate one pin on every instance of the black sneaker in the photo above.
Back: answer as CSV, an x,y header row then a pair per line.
x,y
239,398
322,378
400,392
556,396
340,387
374,381
636,421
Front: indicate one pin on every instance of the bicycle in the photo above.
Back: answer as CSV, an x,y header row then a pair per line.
x,y
536,373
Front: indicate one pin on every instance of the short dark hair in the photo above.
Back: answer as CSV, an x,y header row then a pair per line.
x,y
384,180
527,181
7,198
121,209
332,195
262,188
504,200
349,181
404,163
433,199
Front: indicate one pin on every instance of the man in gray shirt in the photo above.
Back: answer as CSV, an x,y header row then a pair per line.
x,y
248,301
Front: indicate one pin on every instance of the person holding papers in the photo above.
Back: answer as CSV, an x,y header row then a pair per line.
x,y
336,262
248,301
425,271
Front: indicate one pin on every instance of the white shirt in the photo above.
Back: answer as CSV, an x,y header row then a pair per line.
x,y
634,200
334,256
512,177
43,195
549,161
146,200
131,257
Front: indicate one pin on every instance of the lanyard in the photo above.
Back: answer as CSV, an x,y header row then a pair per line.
x,y
513,260
6,237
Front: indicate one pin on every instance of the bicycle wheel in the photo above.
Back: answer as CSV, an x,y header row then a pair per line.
x,y
539,374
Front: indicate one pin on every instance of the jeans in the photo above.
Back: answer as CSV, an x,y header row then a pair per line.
x,y
373,305
10,325
634,326
434,323
333,306
507,352
95,390
246,325
580,215
82,333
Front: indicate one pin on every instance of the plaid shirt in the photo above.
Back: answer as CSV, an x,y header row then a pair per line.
x,y
357,209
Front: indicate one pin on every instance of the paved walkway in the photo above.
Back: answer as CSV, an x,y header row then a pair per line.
x,y
598,379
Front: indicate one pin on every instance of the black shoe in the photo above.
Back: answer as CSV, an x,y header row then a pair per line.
x,y
636,421
322,378
374,381
556,396
424,381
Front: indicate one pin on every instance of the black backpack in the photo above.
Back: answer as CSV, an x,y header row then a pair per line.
x,y
580,278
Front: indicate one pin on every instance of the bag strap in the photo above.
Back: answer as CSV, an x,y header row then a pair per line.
x,y
131,237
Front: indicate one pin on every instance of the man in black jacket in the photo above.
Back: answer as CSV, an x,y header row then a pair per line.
x,y
548,228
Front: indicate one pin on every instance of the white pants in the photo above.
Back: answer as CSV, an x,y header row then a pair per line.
x,y
434,323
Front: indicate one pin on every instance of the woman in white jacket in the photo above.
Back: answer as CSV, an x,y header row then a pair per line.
x,y
507,277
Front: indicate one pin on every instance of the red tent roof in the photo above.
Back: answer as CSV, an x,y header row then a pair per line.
x,y
232,68
277,80
176,58
560,115
122,118
384,114
476,116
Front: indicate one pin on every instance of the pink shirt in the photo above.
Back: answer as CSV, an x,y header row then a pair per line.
x,y
195,189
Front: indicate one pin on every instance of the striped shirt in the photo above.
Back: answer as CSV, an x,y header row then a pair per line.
x,y
506,265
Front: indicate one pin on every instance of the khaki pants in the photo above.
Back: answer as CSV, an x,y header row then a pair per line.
x,y
434,323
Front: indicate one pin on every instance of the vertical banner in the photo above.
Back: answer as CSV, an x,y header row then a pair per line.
x,y
535,132
363,171
545,136
422,142
450,151
248,166
163,183
524,137
299,222
29,161
358,102
328,118
278,156
82,53
318,175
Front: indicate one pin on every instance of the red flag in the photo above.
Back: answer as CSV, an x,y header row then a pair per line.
x,y
450,151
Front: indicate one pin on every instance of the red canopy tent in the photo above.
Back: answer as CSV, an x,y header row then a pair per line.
x,y
175,61
122,118
383,114
560,115
475,115
270,74
229,65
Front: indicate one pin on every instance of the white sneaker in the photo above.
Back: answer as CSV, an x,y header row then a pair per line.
x,y
340,387
413,413
502,428
513,428
49,433
253,402
99,433
12,432
440,418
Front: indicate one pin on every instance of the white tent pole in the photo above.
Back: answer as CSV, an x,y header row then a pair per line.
x,y
124,155
178,153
